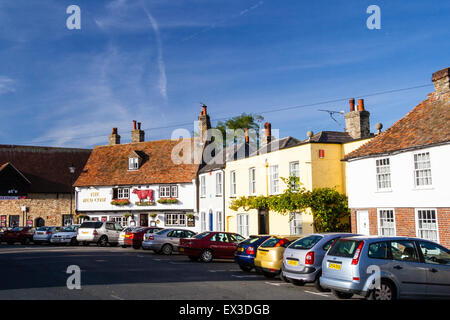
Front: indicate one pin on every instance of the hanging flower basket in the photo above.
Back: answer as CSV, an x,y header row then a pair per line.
x,y
153,215
145,203
167,200
120,202
189,216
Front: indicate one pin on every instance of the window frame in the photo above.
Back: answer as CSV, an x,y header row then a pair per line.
x,y
293,220
168,191
416,219
219,184
133,163
424,186
203,186
122,190
378,175
272,180
241,226
233,183
379,221
252,181
169,217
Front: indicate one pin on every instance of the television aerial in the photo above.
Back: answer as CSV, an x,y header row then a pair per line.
x,y
332,113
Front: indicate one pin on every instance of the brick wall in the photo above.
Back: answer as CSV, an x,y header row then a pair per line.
x,y
49,207
405,223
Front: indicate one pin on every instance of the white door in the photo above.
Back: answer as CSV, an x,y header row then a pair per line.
x,y
362,222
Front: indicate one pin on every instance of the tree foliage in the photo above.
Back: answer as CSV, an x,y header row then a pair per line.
x,y
328,206
250,121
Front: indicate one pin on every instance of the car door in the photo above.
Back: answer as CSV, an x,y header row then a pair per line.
x,y
217,244
407,268
230,247
437,263
175,237
110,232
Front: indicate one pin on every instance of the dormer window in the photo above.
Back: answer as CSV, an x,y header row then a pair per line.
x,y
133,163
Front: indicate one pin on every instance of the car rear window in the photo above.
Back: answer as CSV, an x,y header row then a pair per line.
x,y
43,228
306,242
17,229
91,225
138,229
251,240
201,235
275,242
344,248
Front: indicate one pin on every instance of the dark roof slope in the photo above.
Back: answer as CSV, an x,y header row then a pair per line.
x,y
427,124
231,153
108,165
46,168
278,144
331,137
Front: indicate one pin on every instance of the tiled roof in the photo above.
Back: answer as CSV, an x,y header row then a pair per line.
x,y
46,168
9,164
427,124
108,165
330,137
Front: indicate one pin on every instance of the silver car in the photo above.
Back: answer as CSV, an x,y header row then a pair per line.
x,y
386,268
44,234
167,240
302,259
99,232
68,235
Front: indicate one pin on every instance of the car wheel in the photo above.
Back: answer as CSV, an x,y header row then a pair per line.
x,y
318,286
206,256
298,282
73,241
385,292
167,249
245,267
25,241
85,243
193,258
342,295
283,278
136,247
269,275
124,246
103,241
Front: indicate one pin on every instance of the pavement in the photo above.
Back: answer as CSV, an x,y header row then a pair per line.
x,y
115,273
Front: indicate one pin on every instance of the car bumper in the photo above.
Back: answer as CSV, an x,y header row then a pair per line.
x,y
343,285
306,274
41,239
267,270
87,238
189,251
245,260
60,240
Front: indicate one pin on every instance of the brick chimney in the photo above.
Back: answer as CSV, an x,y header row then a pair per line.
x,y
114,137
357,122
204,123
267,138
441,81
137,135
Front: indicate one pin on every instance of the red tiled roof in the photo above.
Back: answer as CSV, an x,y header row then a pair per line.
x,y
108,165
46,168
427,124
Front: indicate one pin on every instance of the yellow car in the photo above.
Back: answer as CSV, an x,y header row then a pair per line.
x,y
269,256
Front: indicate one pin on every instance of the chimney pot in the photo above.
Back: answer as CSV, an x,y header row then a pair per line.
x,y
352,104
134,124
204,110
246,135
114,131
139,126
361,104
268,127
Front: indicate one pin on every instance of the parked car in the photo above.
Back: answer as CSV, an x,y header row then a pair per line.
x,y
269,256
150,232
135,237
99,232
166,241
122,235
67,235
23,235
208,245
246,252
44,234
302,259
2,231
408,267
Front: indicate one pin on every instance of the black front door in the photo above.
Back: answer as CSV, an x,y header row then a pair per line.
x,y
263,221
39,222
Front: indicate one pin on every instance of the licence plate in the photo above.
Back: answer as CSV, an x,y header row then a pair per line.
x,y
181,249
292,262
122,236
40,233
335,266
84,232
262,253
241,249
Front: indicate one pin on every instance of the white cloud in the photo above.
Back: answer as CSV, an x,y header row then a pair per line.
x,y
6,85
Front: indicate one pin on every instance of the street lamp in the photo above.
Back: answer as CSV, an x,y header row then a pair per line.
x,y
72,172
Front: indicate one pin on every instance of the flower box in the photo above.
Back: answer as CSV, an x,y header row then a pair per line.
x,y
167,200
120,202
145,203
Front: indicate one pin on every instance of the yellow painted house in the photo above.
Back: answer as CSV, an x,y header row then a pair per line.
x,y
316,161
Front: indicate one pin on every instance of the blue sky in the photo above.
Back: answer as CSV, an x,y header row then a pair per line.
x,y
154,61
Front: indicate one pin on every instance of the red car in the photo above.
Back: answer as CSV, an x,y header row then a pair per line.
x,y
24,235
135,237
207,246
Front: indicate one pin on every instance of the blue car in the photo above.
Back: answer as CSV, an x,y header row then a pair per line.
x,y
246,252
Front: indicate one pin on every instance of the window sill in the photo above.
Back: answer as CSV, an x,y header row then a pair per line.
x,y
218,195
383,191
423,188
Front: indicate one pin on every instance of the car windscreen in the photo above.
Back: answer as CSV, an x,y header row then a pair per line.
x,y
201,235
138,229
17,229
251,240
70,229
163,231
344,248
91,225
306,242
43,228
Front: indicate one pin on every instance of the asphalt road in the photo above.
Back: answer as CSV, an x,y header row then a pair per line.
x,y
40,272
